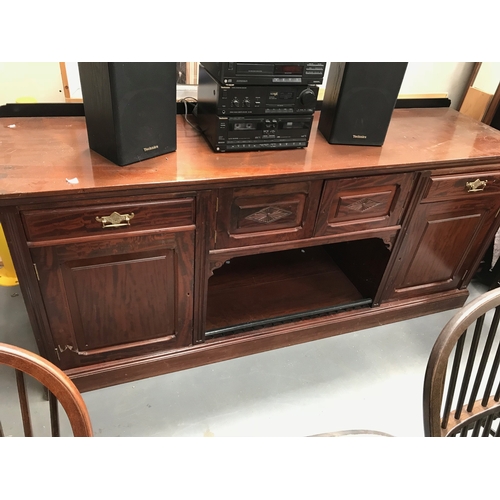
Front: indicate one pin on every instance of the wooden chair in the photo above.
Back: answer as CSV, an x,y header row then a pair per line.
x,y
59,386
461,387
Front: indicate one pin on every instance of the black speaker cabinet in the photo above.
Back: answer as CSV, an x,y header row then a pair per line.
x,y
130,109
359,100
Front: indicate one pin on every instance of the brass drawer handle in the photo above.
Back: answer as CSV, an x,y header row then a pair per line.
x,y
475,186
115,220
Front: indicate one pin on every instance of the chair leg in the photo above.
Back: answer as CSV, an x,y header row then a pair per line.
x,y
495,276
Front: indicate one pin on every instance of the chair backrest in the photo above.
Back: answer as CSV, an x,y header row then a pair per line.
x,y
58,384
461,387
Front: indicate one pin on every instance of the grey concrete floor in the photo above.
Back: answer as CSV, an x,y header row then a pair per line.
x,y
371,379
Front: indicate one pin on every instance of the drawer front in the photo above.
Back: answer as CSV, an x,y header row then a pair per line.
x,y
451,187
266,214
364,203
65,223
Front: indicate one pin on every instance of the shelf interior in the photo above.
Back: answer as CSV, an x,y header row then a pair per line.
x,y
254,290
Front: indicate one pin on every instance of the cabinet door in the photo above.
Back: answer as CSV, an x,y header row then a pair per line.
x,y
119,296
442,246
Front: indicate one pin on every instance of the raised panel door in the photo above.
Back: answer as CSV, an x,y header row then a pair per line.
x,y
113,298
442,245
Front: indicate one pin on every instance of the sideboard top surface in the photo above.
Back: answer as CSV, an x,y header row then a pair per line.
x,y
38,155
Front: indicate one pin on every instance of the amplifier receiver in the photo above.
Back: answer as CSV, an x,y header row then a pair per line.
x,y
255,99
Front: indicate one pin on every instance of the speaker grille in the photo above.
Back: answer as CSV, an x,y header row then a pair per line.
x,y
130,109
359,101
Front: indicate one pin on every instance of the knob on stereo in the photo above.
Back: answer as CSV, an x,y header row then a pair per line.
x,y
246,102
235,102
307,97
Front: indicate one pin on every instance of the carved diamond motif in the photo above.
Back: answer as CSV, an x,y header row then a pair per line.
x,y
363,205
268,215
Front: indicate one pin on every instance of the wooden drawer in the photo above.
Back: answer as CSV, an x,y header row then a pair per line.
x,y
451,187
266,214
84,221
363,203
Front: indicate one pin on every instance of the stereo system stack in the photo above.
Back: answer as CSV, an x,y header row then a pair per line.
x,y
130,108
258,106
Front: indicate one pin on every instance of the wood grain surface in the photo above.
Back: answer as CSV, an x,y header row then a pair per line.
x,y
37,155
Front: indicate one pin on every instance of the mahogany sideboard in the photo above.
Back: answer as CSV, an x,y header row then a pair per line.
x,y
195,257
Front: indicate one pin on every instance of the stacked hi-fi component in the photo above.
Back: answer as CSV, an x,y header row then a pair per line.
x,y
258,106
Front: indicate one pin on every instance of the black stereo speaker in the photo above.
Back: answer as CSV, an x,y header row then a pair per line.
x,y
359,100
130,109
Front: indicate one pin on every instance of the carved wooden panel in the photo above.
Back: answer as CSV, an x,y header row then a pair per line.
x,y
358,204
266,214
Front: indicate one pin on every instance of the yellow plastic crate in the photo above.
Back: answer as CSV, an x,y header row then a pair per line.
x,y
8,276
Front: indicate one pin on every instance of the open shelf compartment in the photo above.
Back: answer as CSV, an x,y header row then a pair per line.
x,y
261,290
